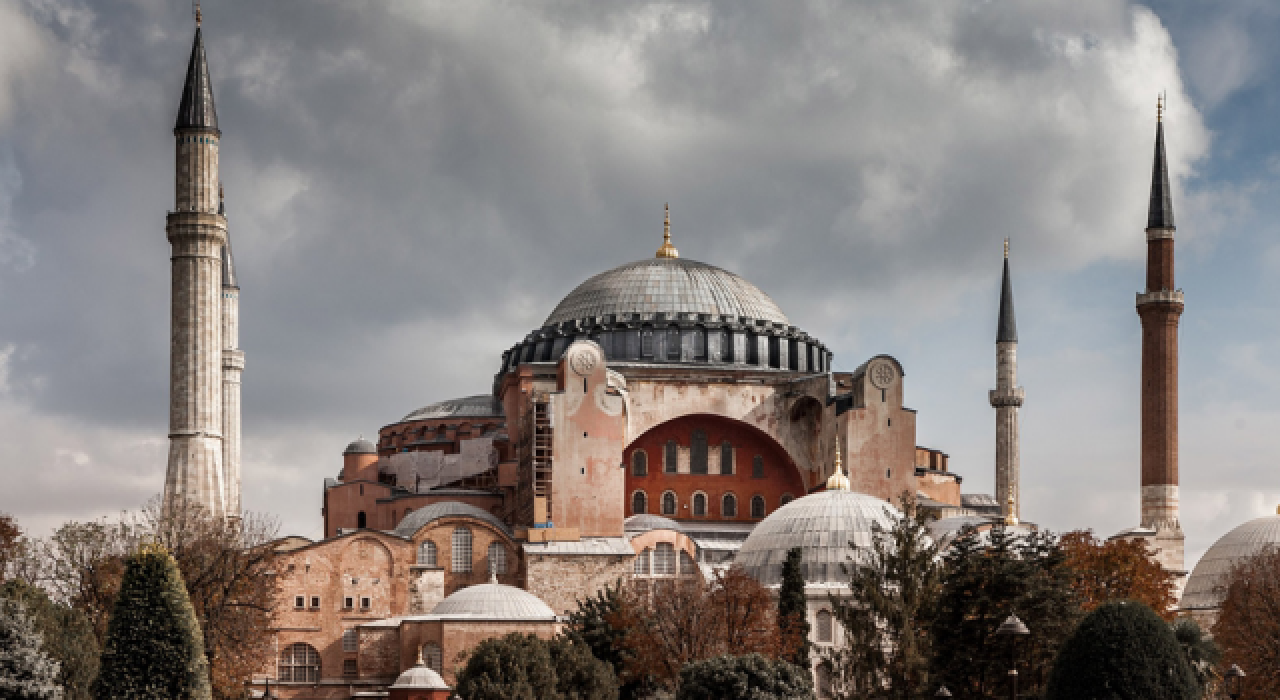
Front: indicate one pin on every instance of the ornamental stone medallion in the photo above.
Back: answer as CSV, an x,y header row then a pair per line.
x,y
582,360
882,374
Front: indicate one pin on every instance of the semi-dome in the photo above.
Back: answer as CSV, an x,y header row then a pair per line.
x,y
360,446
646,522
493,601
482,406
1205,587
669,286
415,520
822,525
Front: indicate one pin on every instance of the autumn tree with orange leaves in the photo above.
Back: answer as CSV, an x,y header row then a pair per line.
x,y
1248,626
672,622
1117,570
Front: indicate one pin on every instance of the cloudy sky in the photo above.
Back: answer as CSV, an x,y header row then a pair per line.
x,y
412,186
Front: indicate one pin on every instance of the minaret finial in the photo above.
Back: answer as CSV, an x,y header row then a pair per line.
x,y
1006,249
1011,517
421,661
838,481
1160,107
667,250
198,17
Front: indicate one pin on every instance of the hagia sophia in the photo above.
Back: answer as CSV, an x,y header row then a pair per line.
x,y
665,420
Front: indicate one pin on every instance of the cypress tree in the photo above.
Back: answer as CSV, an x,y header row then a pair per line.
x,y
793,615
1122,651
154,648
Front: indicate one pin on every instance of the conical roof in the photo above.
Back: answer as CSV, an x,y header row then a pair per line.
x,y
1160,214
1007,332
196,109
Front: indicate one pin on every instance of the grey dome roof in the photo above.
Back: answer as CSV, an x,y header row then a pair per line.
x,y
944,530
360,447
482,406
645,523
419,676
667,285
1205,586
822,525
493,601
428,514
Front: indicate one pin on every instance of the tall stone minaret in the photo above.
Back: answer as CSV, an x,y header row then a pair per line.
x,y
1160,307
232,365
1007,398
197,234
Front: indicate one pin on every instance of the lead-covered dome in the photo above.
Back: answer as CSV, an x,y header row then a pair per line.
x,y
493,601
822,525
670,286
482,406
1205,588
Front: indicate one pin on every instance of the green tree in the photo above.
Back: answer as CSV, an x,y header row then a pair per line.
x,y
793,609
747,677
67,634
26,672
1201,651
591,625
514,667
986,577
893,594
579,674
1122,651
154,648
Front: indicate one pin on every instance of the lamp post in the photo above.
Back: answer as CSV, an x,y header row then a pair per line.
x,y
1234,679
1013,628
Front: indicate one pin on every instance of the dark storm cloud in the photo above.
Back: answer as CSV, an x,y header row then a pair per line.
x,y
411,186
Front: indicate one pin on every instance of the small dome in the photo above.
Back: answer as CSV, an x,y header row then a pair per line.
x,y
493,601
415,520
360,447
645,523
667,285
482,406
1204,589
822,525
420,677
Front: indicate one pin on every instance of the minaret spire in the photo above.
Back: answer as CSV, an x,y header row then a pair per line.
x,y
838,481
667,250
1007,398
232,367
1160,211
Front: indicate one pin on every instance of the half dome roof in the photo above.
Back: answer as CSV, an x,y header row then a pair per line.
x,y
425,515
493,601
1206,586
670,286
480,406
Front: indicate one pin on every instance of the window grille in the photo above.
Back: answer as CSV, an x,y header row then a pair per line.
x,y
699,504
823,633
299,663
729,506
642,562
461,550
639,463
350,641
427,554
698,453
431,655
349,667
671,457
757,467
726,458
664,559
498,558
669,503
757,506
638,505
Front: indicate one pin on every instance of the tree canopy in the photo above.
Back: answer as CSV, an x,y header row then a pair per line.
x,y
1248,626
793,610
67,637
746,677
525,667
26,672
1109,570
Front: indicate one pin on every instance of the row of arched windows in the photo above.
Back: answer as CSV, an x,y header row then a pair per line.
x,y
460,558
669,504
662,560
698,460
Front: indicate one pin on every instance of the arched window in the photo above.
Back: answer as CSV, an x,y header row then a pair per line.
x,y
431,655
671,457
699,504
786,498
361,520
642,562
427,554
686,564
726,458
639,503
757,506
461,550
646,343
729,506
673,343
699,344
669,503
757,467
664,559
823,631
497,558
299,663
639,463
698,453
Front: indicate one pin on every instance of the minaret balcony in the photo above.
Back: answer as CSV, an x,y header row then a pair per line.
x,y
1161,296
1007,397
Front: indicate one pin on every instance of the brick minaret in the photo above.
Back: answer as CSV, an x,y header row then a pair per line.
x,y
1007,398
232,365
197,234
1159,307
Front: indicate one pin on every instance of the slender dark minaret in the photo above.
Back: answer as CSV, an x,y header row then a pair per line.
x,y
197,235
232,366
1007,398
1159,307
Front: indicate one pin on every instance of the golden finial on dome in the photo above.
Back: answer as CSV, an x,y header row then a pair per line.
x,y
667,250
1009,517
838,481
421,661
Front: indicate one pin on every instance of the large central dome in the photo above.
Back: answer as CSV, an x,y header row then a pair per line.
x,y
667,285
